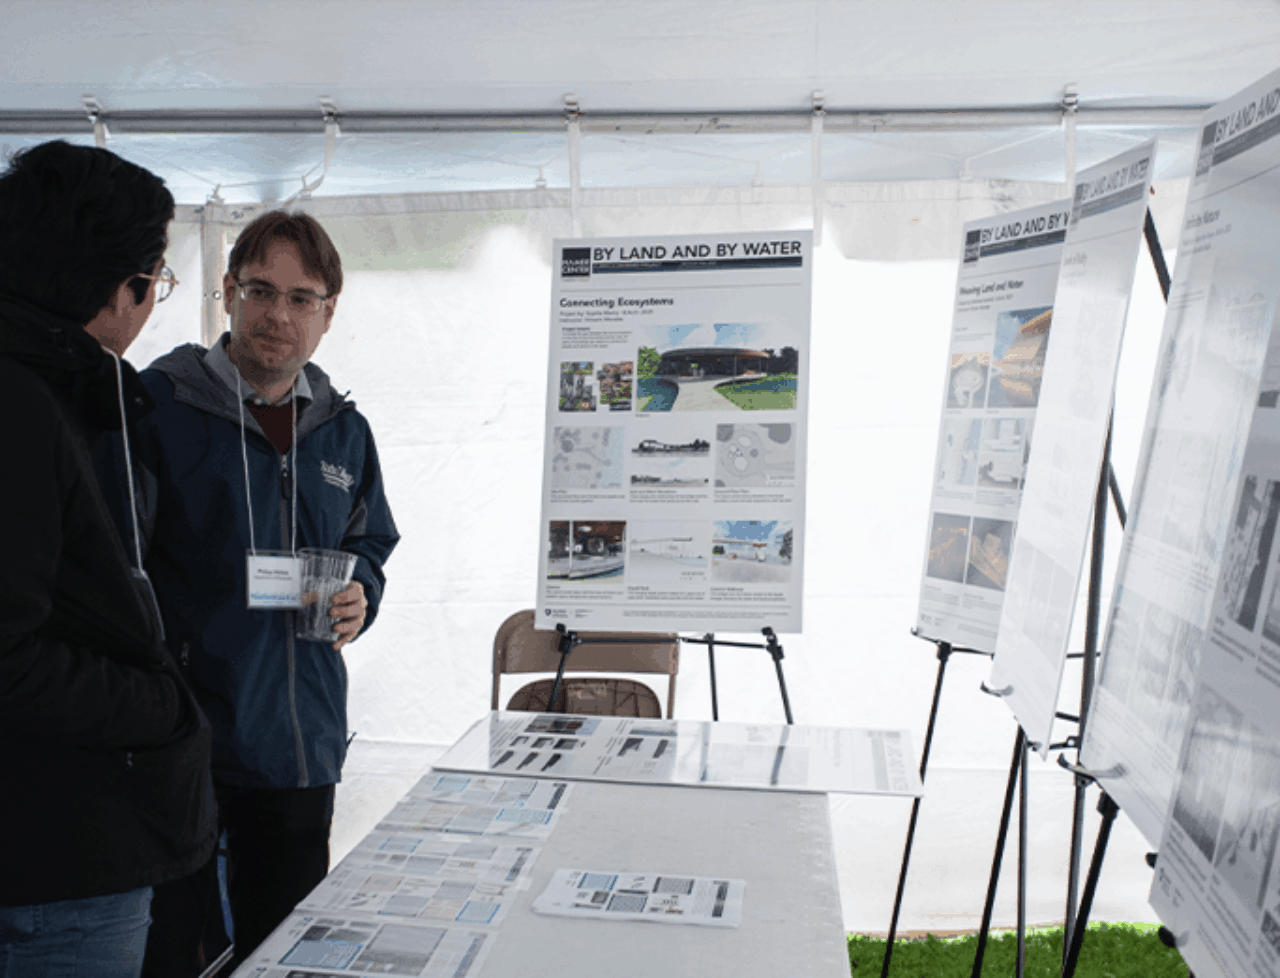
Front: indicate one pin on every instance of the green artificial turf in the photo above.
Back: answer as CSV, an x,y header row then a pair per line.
x,y
1109,951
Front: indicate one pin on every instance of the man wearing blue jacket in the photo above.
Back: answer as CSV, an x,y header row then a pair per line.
x,y
250,451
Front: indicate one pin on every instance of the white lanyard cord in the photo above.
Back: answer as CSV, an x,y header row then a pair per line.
x,y
128,461
293,475
244,454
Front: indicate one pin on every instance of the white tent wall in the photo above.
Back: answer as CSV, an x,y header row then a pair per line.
x,y
441,335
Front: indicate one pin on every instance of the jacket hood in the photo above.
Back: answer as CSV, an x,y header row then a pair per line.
x,y
72,362
197,385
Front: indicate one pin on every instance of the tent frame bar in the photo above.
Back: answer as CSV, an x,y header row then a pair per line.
x,y
857,121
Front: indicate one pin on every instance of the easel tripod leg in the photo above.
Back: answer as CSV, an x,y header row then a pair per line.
x,y
944,653
1109,810
1022,867
1019,749
711,659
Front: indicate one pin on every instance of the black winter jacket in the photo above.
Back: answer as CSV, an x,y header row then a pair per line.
x,y
105,755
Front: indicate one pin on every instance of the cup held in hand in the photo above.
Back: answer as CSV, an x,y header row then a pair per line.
x,y
324,574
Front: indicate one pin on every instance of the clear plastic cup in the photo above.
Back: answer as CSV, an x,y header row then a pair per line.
x,y
324,574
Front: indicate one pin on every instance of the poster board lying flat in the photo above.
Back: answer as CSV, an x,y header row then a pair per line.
x,y
1217,881
690,752
673,490
996,362
1098,263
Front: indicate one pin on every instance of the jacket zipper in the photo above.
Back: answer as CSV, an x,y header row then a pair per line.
x,y
286,535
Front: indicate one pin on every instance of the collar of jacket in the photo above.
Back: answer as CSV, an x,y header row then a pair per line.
x,y
196,385
72,362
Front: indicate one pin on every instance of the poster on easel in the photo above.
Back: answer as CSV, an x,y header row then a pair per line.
x,y
1099,259
673,488
995,366
1217,882
1213,355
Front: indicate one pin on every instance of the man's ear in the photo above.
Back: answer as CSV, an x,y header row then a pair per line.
x,y
228,290
123,299
330,307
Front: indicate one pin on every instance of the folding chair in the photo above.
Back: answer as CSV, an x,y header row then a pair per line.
x,y
519,648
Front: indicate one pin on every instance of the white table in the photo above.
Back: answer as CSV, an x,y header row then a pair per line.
x,y
779,842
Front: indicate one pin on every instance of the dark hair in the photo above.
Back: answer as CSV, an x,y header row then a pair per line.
x,y
319,256
75,222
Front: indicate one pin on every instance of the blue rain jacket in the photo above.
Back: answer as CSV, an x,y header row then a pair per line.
x,y
277,704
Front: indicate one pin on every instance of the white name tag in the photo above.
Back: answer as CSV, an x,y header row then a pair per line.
x,y
275,580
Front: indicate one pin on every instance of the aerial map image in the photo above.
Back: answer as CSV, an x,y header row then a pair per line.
x,y
587,458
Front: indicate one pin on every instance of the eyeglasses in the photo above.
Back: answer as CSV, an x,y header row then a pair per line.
x,y
260,294
166,282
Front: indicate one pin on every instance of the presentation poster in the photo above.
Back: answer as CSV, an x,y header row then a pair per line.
x,y
673,483
1098,262
995,367
1213,355
1217,883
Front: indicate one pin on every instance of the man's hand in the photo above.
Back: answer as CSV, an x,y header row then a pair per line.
x,y
348,606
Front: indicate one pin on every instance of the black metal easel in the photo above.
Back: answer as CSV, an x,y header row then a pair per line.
x,y
1073,935
1106,804
570,640
945,650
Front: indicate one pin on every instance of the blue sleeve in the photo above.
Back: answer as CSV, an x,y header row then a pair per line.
x,y
371,532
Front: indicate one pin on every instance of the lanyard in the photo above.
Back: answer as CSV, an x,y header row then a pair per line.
x,y
293,477
128,461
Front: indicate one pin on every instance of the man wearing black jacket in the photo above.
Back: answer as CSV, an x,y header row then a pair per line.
x,y
105,753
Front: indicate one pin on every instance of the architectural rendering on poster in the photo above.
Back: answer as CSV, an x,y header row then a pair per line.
x,y
999,347
713,505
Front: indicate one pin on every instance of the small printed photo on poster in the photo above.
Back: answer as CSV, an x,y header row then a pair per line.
x,y
1120,649
751,551
1017,357
967,381
615,385
1246,850
577,393
989,546
670,473
587,458
1271,618
717,367
670,456
948,544
1052,599
1006,447
1186,481
668,553
1183,669
587,551
756,455
1018,591
1204,770
1159,637
958,447
1248,549
558,550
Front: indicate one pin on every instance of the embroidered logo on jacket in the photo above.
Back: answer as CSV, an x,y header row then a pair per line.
x,y
336,475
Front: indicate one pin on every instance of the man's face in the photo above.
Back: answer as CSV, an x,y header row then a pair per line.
x,y
276,338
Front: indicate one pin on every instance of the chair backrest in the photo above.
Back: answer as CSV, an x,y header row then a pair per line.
x,y
519,647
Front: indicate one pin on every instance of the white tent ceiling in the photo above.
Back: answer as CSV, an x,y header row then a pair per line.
x,y
143,60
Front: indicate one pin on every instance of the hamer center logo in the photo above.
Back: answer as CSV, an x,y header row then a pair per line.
x,y
575,263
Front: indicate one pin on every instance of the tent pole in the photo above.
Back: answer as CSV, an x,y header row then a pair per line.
x,y
575,160
1070,114
213,246
819,112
